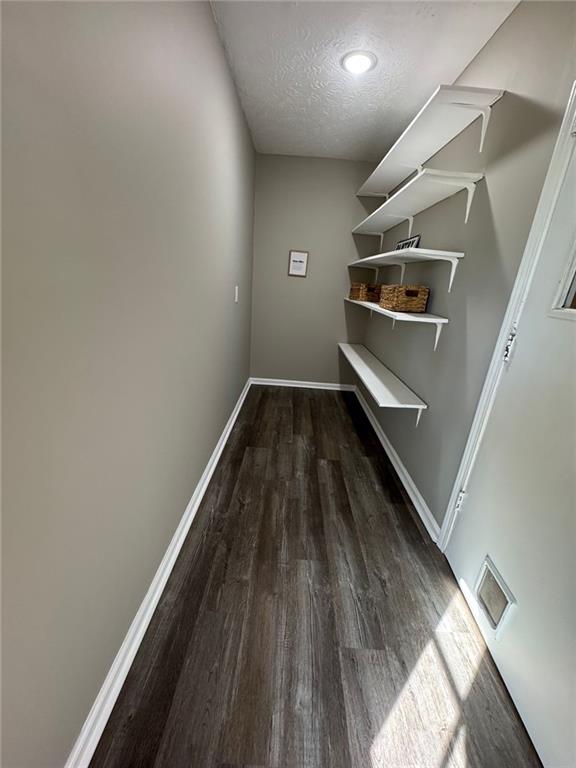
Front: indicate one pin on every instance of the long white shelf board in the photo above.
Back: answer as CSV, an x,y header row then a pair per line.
x,y
407,317
447,113
408,255
384,386
426,189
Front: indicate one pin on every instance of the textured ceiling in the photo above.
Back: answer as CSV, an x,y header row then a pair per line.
x,y
285,58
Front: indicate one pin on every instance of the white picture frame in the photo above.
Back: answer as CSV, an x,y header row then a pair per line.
x,y
298,263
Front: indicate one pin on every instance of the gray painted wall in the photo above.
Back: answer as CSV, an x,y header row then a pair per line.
x,y
531,58
128,208
304,204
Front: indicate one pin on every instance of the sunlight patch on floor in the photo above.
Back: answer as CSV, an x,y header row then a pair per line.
x,y
424,726
421,723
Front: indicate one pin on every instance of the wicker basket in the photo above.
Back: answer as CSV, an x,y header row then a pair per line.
x,y
365,292
404,298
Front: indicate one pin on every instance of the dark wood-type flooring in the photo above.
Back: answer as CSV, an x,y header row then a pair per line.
x,y
309,621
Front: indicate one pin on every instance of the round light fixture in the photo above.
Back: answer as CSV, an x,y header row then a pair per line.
x,y
358,62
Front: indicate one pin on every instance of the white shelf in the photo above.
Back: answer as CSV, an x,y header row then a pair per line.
x,y
384,386
404,317
426,189
447,113
407,256
408,317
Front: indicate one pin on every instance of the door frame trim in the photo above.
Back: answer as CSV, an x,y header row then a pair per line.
x,y
555,175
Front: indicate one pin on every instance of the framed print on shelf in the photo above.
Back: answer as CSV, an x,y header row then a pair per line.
x,y
410,242
298,263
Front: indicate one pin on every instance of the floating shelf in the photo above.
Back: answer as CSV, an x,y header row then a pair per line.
x,y
426,189
405,317
407,256
384,386
447,113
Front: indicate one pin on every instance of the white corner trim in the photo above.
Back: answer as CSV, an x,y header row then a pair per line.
x,y
95,723
552,185
411,488
304,384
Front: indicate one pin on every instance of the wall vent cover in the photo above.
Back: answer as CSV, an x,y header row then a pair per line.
x,y
494,596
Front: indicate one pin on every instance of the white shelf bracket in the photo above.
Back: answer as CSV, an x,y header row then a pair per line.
x,y
393,322
410,220
402,272
470,189
418,414
437,337
453,265
381,242
485,112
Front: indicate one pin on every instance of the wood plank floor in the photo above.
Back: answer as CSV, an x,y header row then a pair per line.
x,y
309,621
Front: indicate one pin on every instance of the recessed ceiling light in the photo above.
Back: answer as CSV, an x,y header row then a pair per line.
x,y
358,62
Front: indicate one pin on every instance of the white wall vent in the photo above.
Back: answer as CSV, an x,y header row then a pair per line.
x,y
493,595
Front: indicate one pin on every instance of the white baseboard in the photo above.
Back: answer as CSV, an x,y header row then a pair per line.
x,y
95,723
304,384
411,489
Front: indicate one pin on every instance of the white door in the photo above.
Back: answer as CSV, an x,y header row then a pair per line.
x,y
519,506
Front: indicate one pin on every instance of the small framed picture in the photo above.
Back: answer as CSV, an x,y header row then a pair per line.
x,y
410,242
298,263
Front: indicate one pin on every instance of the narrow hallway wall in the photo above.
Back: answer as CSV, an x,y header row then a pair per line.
x,y
127,211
